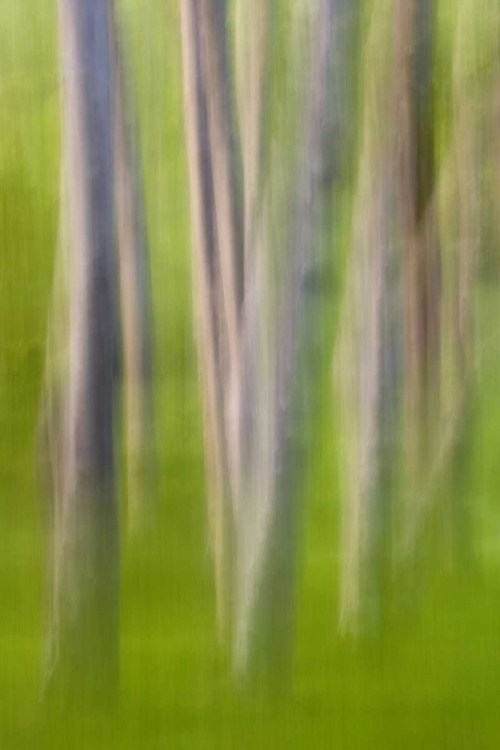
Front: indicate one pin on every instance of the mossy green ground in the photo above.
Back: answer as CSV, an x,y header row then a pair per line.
x,y
431,681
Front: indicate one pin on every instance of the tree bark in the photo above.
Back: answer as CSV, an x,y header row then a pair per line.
x,y
279,386
84,634
416,170
367,357
207,294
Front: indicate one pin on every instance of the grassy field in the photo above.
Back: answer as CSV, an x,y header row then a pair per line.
x,y
431,681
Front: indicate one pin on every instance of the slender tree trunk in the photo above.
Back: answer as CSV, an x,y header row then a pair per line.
x,y
207,293
252,45
368,351
53,421
462,199
84,637
414,45
460,193
221,132
228,226
277,397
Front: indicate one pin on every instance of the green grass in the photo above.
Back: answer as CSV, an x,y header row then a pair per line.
x,y
429,681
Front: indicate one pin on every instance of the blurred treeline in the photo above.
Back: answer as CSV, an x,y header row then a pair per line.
x,y
296,538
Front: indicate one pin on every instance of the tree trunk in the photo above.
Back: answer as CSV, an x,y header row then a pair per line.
x,y
367,361
416,180
252,45
279,387
207,297
84,634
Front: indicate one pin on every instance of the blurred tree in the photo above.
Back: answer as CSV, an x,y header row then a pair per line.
x,y
368,354
259,332
83,344
281,396
209,313
414,35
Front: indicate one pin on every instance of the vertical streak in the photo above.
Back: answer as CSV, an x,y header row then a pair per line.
x,y
367,378
206,295
88,566
226,192
272,491
414,44
135,293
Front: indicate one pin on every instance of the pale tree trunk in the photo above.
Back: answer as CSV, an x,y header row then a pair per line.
x,y
136,312
84,633
416,180
461,199
228,223
259,346
53,421
280,382
252,61
221,134
207,298
252,47
369,347
250,402
460,192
